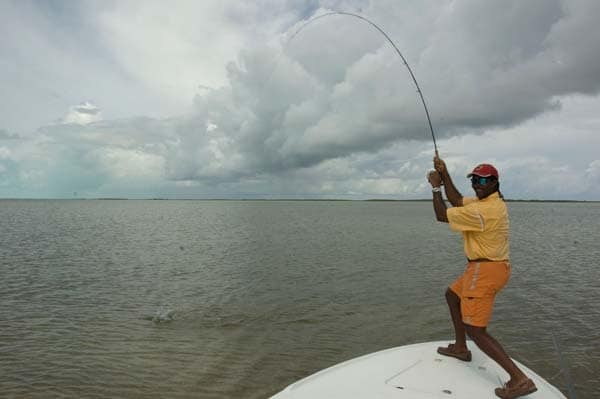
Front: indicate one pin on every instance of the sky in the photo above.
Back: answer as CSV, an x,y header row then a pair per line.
x,y
248,99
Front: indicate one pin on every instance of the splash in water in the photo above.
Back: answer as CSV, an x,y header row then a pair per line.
x,y
163,315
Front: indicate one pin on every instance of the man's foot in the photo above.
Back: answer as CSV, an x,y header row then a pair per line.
x,y
452,351
511,391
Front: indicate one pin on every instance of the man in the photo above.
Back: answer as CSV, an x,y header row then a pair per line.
x,y
483,222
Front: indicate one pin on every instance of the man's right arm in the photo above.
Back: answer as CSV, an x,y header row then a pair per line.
x,y
453,195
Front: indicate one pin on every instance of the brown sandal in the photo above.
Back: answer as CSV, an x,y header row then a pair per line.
x,y
450,351
524,388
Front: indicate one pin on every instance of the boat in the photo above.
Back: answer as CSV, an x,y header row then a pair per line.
x,y
413,372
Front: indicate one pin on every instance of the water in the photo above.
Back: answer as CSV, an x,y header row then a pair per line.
x,y
238,299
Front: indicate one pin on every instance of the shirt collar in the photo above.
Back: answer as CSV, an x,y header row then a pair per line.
x,y
492,196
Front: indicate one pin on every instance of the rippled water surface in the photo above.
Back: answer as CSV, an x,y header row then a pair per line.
x,y
238,299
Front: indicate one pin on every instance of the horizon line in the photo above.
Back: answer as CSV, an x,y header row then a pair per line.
x,y
268,199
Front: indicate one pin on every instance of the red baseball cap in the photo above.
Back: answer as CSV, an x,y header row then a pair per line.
x,y
484,170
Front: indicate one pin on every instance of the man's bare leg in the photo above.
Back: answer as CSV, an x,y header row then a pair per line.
x,y
494,350
453,301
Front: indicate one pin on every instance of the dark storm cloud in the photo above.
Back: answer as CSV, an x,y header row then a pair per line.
x,y
338,88
506,62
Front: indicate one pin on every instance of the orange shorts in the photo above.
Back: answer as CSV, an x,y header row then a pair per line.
x,y
477,289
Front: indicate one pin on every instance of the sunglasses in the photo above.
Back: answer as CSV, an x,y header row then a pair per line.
x,y
482,181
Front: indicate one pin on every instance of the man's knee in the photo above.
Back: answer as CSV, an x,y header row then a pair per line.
x,y
451,297
474,332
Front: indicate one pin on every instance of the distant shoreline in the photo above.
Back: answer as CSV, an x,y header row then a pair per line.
x,y
282,200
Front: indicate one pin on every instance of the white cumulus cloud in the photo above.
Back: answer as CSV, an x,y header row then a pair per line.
x,y
83,114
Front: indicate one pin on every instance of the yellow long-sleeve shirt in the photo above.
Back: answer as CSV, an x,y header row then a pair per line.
x,y
484,225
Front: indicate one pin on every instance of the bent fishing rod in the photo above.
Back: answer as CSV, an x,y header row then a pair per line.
x,y
412,75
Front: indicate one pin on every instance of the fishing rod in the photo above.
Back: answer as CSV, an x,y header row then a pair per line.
x,y
412,75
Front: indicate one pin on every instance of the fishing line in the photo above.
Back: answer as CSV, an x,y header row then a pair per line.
x,y
412,75
564,369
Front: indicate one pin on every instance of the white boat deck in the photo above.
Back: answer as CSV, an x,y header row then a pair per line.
x,y
412,372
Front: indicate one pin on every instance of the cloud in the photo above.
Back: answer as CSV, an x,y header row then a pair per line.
x,y
4,153
339,88
592,173
83,114
4,135
234,108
